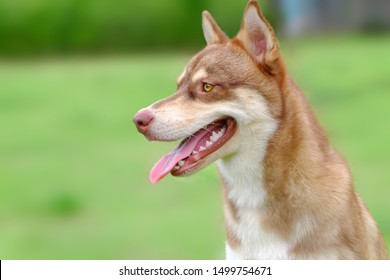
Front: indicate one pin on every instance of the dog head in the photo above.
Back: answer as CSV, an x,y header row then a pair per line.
x,y
229,91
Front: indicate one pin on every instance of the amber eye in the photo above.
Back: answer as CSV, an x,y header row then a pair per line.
x,y
207,87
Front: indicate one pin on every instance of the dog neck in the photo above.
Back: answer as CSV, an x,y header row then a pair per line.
x,y
245,173
242,175
272,173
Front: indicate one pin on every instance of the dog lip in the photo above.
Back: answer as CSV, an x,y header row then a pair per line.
x,y
150,136
194,160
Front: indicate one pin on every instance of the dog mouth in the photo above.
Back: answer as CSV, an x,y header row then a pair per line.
x,y
191,152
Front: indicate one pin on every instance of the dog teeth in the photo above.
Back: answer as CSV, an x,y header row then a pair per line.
x,y
214,137
181,163
208,143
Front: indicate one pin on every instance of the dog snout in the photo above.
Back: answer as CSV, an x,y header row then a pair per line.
x,y
143,119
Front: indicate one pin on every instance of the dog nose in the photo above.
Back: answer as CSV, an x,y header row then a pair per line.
x,y
143,119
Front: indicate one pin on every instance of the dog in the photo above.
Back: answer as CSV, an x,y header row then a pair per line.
x,y
288,194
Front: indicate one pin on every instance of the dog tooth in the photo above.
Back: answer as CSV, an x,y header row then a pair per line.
x,y
202,148
194,152
181,163
208,143
176,167
214,136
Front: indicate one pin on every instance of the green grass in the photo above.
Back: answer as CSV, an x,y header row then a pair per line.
x,y
74,171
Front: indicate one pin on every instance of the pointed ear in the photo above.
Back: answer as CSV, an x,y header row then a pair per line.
x,y
257,36
212,33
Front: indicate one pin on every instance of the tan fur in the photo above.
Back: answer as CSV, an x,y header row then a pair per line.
x,y
306,177
231,237
213,34
231,213
306,207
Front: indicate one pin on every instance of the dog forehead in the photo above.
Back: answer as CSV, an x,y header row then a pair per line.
x,y
215,57
200,64
223,64
225,60
229,64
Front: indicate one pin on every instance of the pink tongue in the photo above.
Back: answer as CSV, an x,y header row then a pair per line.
x,y
169,161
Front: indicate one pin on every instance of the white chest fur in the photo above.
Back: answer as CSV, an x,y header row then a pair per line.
x,y
254,241
243,175
247,194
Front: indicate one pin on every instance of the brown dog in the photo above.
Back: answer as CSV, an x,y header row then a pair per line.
x,y
287,193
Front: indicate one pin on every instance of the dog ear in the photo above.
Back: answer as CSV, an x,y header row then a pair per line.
x,y
212,33
257,36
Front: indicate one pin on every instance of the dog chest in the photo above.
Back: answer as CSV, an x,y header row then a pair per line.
x,y
253,242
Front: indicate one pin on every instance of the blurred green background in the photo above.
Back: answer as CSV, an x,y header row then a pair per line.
x,y
73,169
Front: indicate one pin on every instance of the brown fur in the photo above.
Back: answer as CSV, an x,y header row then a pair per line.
x,y
231,210
310,203
304,176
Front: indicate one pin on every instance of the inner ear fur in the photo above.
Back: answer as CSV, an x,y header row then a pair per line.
x,y
258,38
211,31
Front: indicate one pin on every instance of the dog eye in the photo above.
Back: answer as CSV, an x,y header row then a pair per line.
x,y
207,87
